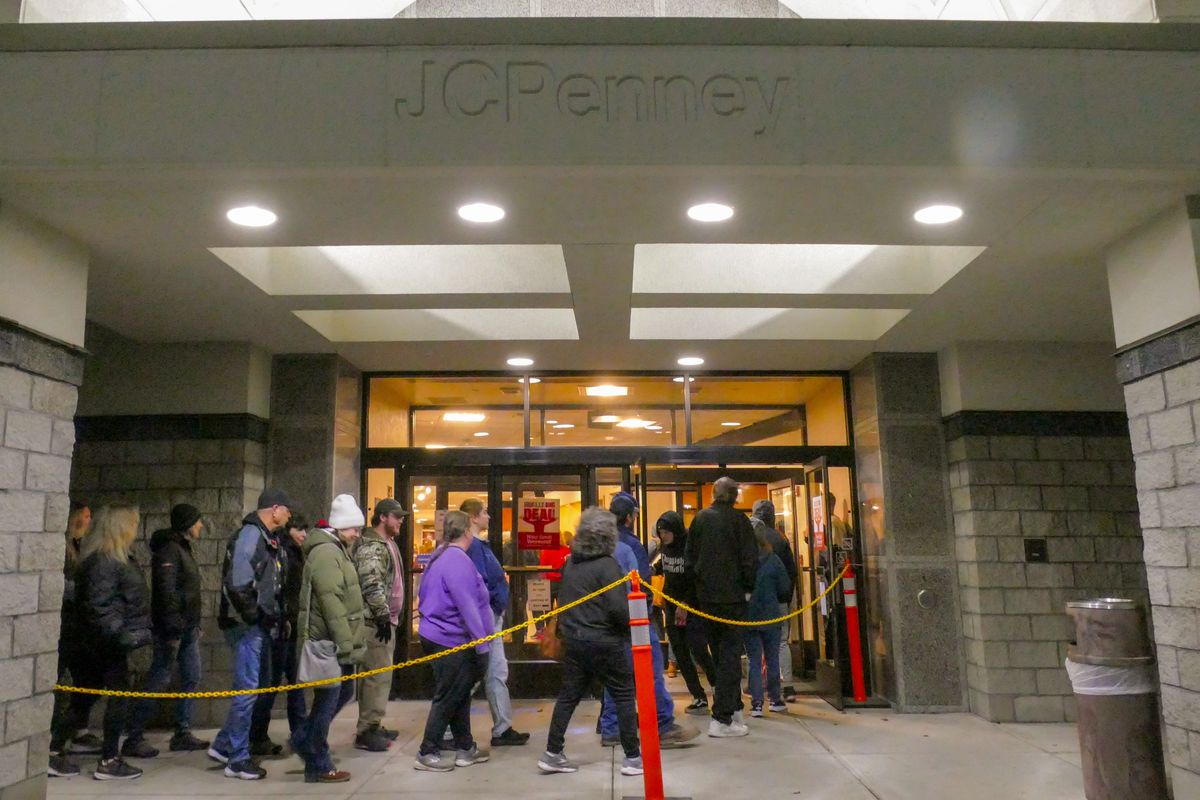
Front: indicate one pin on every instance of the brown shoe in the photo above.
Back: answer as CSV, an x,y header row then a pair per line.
x,y
333,776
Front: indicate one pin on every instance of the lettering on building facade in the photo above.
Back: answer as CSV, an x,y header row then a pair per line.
x,y
516,90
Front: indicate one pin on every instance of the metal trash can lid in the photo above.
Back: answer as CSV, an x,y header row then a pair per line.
x,y
1105,603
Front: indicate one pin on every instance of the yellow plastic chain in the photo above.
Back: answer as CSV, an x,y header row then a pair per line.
x,y
758,623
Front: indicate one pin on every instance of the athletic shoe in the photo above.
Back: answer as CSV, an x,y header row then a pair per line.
x,y
389,733
115,769
372,741
632,766
266,749
61,766
186,741
217,755
465,758
86,744
333,776
434,762
676,735
719,730
756,710
779,707
609,741
699,706
510,738
672,670
556,762
245,771
737,717
138,748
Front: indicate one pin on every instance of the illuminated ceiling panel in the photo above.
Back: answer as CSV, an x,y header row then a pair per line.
x,y
443,324
840,324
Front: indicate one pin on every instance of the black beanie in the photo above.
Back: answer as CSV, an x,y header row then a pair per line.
x,y
184,517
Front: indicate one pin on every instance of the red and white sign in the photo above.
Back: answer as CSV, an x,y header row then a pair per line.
x,y
818,521
537,524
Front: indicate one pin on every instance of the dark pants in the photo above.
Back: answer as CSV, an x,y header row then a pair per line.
x,y
691,648
583,662
279,665
726,642
453,678
104,668
69,655
311,739
185,650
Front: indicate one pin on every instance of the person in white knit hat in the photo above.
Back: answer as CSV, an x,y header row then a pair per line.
x,y
331,616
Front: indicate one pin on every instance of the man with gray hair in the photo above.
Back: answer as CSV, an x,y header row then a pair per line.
x,y
722,556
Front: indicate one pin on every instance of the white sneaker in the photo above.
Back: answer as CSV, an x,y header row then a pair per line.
x,y
719,730
737,718
632,766
556,762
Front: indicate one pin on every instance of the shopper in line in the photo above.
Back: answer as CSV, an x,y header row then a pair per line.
x,y
762,518
455,610
496,682
722,555
381,577
331,615
772,588
682,632
279,663
175,614
250,613
112,619
596,639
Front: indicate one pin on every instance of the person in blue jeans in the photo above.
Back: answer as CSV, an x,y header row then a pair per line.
x,y
251,612
772,590
631,555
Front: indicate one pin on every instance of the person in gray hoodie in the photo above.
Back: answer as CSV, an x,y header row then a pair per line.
x,y
763,518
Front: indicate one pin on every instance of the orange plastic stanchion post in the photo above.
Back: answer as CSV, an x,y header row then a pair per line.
x,y
643,673
852,633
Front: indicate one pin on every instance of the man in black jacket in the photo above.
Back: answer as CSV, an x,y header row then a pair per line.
x,y
722,558
175,621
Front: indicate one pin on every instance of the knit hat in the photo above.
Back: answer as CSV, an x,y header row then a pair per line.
x,y
183,517
273,497
345,513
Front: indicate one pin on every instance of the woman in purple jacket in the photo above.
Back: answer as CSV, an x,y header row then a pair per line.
x,y
454,609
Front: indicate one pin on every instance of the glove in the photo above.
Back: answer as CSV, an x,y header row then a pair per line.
x,y
383,630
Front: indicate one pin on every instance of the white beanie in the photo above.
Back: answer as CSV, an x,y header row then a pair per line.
x,y
345,513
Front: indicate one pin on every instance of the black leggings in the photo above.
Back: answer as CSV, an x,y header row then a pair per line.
x,y
690,646
103,668
454,676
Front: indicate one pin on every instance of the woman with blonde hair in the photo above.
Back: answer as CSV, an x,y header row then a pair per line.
x,y
112,619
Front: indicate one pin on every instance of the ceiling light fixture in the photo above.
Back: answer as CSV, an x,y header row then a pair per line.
x,y
655,428
532,381
680,380
730,424
463,416
482,433
481,212
635,423
606,418
938,215
251,216
710,212
690,361
606,390
520,361
435,447
551,422
562,426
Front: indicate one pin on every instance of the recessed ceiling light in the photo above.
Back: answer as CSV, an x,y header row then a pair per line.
x,y
606,418
635,423
655,428
730,424
610,438
435,447
938,215
481,212
551,422
520,361
710,212
680,380
562,426
532,381
482,433
690,361
606,390
251,216
463,416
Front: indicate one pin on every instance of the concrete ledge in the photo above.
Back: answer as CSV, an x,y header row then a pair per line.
x,y
1036,423
146,427
32,352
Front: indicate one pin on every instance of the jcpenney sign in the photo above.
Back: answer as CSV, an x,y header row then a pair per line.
x,y
513,90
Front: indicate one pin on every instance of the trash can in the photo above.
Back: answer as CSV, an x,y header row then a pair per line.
x,y
1112,669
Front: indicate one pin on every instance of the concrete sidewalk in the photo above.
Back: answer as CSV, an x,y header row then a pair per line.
x,y
812,753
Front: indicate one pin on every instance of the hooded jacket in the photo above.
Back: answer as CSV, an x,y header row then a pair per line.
x,y
111,604
376,573
331,601
252,577
722,555
763,515
175,584
592,566
677,583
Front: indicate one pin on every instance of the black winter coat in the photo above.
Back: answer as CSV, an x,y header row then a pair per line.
x,y
111,604
722,555
175,580
604,619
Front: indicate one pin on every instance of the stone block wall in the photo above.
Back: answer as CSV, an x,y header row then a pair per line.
x,y
214,462
1064,478
38,394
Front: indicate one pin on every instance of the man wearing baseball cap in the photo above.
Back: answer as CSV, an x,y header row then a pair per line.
x,y
381,577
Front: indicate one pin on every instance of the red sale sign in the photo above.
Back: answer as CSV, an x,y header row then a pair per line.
x,y
537,524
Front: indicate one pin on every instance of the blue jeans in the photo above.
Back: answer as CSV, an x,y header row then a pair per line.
x,y
763,643
311,739
664,703
185,650
234,739
279,664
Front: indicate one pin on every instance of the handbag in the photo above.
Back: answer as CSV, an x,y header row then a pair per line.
x,y
318,657
551,646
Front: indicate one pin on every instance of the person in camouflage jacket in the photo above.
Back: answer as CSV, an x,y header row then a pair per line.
x,y
381,577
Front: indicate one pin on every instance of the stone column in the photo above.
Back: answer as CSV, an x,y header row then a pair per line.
x,y
912,586
1154,278
38,393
